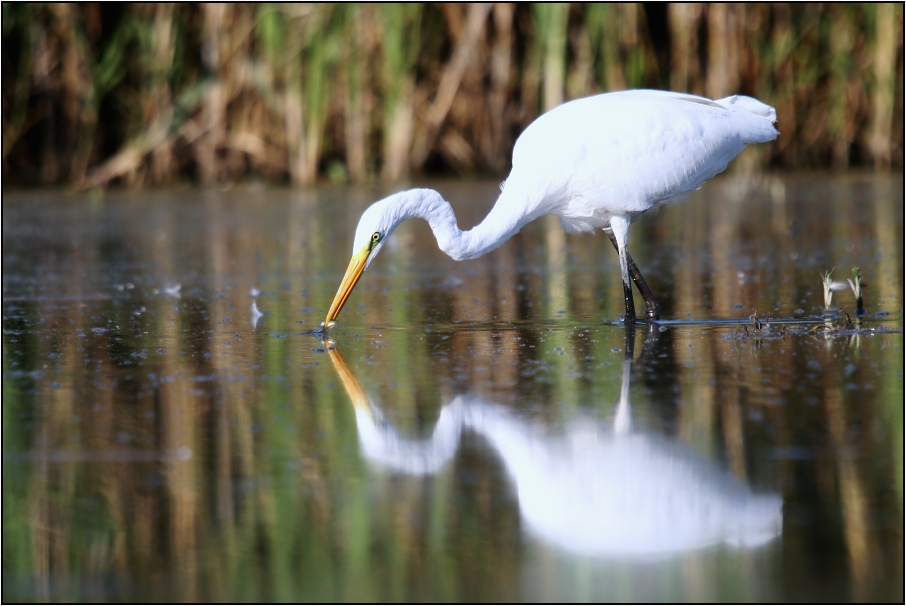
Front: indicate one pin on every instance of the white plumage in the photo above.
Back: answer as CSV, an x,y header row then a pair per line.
x,y
597,163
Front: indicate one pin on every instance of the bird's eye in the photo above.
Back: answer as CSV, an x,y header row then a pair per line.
x,y
375,236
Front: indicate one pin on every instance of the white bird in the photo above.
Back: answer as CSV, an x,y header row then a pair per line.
x,y
597,163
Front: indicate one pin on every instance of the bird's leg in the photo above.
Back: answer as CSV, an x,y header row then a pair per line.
x,y
653,310
620,234
627,289
625,261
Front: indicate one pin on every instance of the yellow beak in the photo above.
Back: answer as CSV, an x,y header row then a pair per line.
x,y
353,273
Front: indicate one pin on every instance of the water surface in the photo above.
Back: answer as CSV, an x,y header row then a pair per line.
x,y
484,430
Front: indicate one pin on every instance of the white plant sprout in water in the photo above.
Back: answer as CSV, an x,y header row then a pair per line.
x,y
256,314
826,282
831,286
591,489
856,286
171,289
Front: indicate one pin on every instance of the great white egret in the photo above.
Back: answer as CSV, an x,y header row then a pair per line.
x,y
597,163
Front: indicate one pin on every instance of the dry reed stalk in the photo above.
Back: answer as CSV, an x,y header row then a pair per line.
x,y
781,48
161,159
294,121
73,85
723,55
319,54
45,88
641,63
355,123
887,18
401,41
683,19
398,128
552,20
622,52
15,119
470,112
501,65
84,117
213,107
233,76
600,27
149,151
449,82
530,73
580,78
841,39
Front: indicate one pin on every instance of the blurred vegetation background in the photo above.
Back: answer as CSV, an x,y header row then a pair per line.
x,y
149,94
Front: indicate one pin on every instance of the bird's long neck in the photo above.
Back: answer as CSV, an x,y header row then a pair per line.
x,y
502,223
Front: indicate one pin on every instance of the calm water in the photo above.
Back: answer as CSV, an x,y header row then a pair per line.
x,y
483,430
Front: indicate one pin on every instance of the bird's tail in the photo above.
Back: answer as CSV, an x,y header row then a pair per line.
x,y
756,119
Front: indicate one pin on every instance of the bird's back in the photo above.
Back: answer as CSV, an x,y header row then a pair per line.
x,y
624,153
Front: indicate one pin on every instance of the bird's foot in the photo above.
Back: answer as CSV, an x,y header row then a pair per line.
x,y
323,328
653,312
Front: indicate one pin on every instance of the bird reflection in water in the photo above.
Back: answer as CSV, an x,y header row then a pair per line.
x,y
590,489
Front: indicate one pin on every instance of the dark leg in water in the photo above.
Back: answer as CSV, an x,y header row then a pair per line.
x,y
627,297
653,310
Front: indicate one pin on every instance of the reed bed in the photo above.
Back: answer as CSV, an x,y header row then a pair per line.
x,y
140,95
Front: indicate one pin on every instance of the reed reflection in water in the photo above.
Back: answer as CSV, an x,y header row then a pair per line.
x,y
159,446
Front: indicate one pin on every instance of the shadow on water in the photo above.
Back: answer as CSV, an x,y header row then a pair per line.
x,y
171,433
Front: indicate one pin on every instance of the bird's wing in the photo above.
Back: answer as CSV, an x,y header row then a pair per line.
x,y
627,152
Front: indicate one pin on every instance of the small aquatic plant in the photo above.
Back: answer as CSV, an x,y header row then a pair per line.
x,y
759,325
827,283
856,286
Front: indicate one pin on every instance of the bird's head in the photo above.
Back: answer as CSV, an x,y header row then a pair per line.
x,y
375,226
